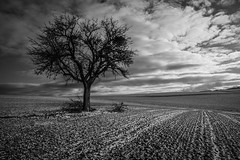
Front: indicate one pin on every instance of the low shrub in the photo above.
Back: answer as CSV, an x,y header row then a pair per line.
x,y
118,107
74,106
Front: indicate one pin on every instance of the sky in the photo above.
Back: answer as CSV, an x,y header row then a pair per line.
x,y
183,45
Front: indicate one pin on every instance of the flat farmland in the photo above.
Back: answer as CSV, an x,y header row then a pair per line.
x,y
143,131
223,101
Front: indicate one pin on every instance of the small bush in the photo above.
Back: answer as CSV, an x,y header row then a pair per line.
x,y
74,106
118,107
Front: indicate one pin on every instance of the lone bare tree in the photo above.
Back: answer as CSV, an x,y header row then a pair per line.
x,y
82,50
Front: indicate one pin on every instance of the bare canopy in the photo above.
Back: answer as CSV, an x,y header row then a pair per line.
x,y
82,50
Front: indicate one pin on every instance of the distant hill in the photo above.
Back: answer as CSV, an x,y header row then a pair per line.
x,y
176,94
231,89
234,88
206,92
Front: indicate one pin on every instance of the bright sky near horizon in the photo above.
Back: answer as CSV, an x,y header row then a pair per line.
x,y
183,45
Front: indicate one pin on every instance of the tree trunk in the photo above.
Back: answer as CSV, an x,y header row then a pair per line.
x,y
86,97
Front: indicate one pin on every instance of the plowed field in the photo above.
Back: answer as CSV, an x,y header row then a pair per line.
x,y
137,133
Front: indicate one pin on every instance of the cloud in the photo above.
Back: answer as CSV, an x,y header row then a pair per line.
x,y
235,18
21,19
192,43
221,20
45,89
203,87
226,3
179,66
211,86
